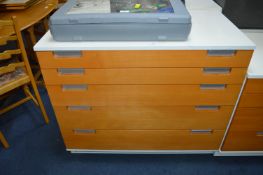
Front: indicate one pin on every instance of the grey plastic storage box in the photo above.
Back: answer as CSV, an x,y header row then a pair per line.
x,y
121,20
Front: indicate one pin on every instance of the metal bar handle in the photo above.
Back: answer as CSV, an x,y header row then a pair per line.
x,y
67,54
84,131
221,52
71,71
217,70
79,108
212,86
207,108
74,87
201,131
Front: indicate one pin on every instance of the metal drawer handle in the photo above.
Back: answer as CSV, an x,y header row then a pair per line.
x,y
67,54
221,52
205,131
84,131
212,86
260,133
78,87
218,70
79,108
207,108
69,71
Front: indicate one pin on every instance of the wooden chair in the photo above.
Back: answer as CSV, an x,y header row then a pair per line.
x,y
31,40
16,65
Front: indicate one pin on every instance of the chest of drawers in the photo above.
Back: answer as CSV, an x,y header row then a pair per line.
x,y
244,135
143,100
147,96
246,130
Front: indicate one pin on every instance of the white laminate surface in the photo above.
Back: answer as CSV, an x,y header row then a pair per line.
x,y
210,31
203,5
255,69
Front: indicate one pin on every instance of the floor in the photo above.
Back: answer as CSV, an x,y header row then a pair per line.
x,y
37,148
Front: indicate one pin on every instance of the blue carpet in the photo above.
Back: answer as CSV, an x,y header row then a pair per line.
x,y
38,149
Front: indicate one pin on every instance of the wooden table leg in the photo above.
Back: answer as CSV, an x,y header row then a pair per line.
x,y
32,34
3,140
45,22
31,40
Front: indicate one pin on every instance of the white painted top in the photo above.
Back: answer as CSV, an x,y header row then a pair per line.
x,y
204,5
210,30
255,69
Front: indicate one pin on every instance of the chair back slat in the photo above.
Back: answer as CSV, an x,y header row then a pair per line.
x,y
11,67
8,54
6,23
5,39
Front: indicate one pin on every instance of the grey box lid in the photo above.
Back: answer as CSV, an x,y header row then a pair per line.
x,y
176,13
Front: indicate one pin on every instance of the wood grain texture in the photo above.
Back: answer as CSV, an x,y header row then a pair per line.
x,y
243,141
14,84
248,119
5,39
8,54
3,140
137,58
25,18
129,118
10,67
251,100
254,86
6,23
143,140
24,80
145,76
143,95
14,105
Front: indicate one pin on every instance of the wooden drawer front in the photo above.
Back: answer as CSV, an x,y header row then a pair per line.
x,y
248,119
143,76
244,141
159,117
142,140
254,86
251,100
126,59
143,95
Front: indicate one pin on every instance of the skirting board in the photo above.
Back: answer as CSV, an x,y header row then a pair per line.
x,y
87,151
238,153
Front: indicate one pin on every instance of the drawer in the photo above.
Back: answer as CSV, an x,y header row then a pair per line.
x,y
145,76
141,139
254,86
251,100
244,141
133,118
140,58
248,119
143,95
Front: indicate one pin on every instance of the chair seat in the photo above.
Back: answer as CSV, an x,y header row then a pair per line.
x,y
10,73
14,83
